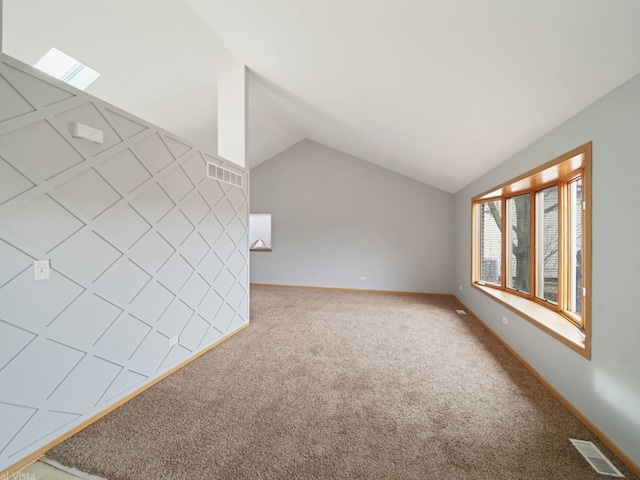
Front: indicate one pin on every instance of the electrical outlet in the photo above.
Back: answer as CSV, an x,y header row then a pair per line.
x,y
41,270
173,341
363,278
505,320
460,287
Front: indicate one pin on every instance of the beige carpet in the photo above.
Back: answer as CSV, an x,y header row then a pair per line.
x,y
328,384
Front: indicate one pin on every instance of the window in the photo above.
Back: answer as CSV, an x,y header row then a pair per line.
x,y
260,232
63,67
532,245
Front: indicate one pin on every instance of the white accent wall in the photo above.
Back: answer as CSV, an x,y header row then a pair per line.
x,y
143,249
607,388
336,218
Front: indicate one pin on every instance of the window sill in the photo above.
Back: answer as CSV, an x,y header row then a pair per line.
x,y
551,322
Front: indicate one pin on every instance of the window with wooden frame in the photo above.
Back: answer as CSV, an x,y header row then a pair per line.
x,y
532,246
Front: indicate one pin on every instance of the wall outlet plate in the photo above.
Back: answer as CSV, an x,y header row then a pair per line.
x,y
505,320
41,270
363,277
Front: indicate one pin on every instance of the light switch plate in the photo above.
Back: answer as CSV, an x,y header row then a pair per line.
x,y
41,270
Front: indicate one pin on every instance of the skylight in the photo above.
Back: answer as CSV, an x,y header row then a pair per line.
x,y
63,67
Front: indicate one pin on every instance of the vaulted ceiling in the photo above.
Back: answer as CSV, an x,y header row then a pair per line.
x,y
438,90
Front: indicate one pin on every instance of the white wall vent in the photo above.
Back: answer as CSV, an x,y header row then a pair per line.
x,y
224,175
596,459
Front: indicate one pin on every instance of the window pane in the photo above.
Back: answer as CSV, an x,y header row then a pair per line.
x,y
490,242
575,292
518,242
547,244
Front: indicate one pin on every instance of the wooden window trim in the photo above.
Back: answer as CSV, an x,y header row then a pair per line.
x,y
572,330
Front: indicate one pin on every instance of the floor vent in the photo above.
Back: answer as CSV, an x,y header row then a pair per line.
x,y
596,459
461,312
224,175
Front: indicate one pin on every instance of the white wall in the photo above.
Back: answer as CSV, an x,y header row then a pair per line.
x,y
607,388
143,248
336,218
232,118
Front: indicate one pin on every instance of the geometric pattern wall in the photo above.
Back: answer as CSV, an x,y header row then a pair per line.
x,y
143,248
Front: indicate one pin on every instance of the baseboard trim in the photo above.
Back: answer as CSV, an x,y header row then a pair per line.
x,y
342,289
25,462
587,423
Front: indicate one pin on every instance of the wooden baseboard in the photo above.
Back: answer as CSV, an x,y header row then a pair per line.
x,y
587,423
13,470
341,289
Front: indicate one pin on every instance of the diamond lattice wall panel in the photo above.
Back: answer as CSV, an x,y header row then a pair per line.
x,y
42,223
47,362
122,282
153,203
174,319
176,228
153,153
127,127
124,171
14,417
14,104
12,341
122,339
125,382
124,228
211,229
177,184
90,192
151,302
149,354
194,290
13,262
41,424
213,194
175,273
175,355
143,249
42,148
86,259
33,304
16,183
87,382
177,148
223,318
224,247
151,252
196,168
210,305
192,335
88,114
84,321
46,93
196,209
194,248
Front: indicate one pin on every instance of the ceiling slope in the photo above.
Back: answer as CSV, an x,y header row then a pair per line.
x,y
439,90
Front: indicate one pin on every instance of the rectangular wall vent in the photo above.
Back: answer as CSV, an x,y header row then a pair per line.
x,y
224,175
596,459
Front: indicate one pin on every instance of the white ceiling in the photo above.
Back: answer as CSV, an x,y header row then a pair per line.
x,y
439,90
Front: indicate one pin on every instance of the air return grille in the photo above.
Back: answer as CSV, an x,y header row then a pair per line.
x,y
596,459
224,175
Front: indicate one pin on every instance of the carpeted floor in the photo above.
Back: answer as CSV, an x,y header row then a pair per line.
x,y
333,385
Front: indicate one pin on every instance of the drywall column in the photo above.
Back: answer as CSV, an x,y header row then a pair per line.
x,y
232,113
